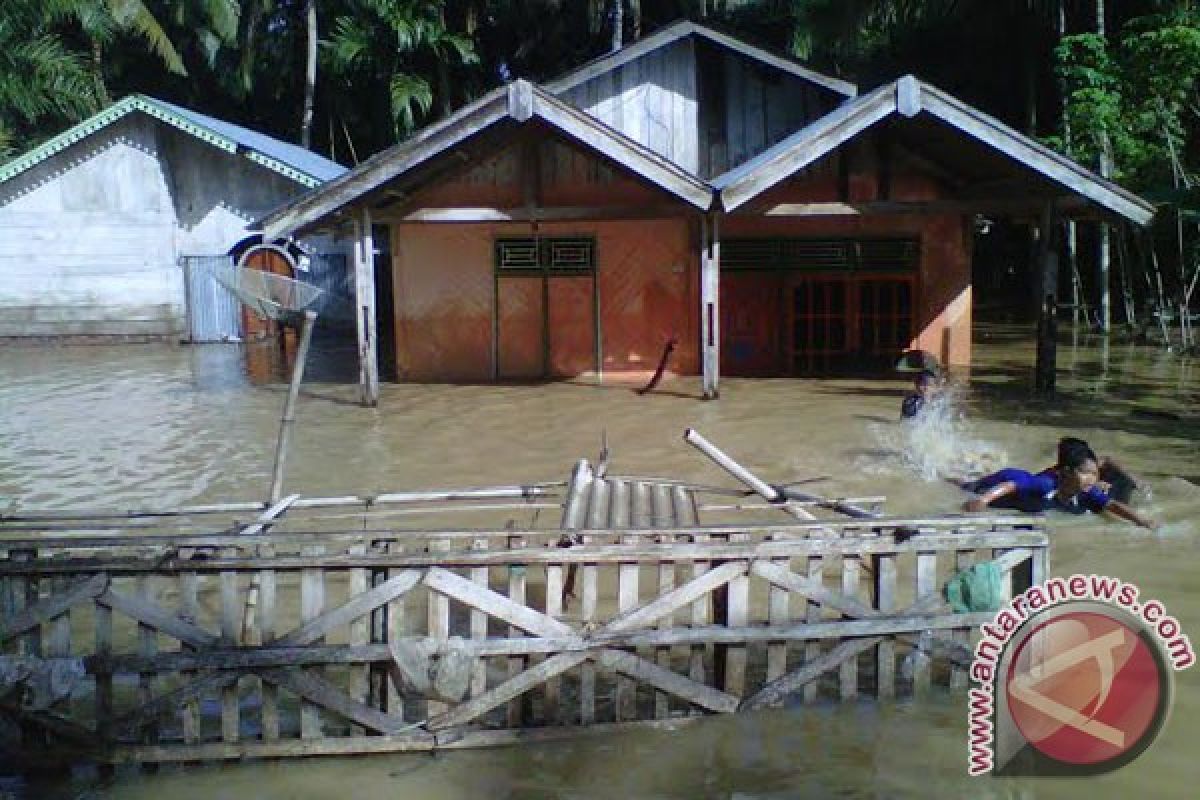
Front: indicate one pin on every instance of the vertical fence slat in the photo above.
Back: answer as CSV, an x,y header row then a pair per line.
x,y
231,618
358,682
479,624
813,613
438,619
102,619
552,693
147,647
587,675
851,570
737,616
267,604
627,600
885,601
189,609
394,622
778,613
516,664
664,516
958,676
926,583
312,604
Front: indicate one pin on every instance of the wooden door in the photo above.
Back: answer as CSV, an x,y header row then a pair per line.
x,y
818,330
750,321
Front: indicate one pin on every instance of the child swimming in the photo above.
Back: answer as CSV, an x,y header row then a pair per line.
x,y
1070,486
926,386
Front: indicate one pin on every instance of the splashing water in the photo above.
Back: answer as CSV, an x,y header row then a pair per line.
x,y
938,443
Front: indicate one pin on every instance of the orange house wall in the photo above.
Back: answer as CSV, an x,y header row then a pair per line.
x,y
443,284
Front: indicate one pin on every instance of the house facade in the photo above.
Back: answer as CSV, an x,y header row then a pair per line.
x,y
94,223
768,220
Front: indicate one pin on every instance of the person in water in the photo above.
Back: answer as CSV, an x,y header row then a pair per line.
x,y
1115,481
1070,486
926,386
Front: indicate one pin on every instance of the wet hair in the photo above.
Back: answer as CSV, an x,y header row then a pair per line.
x,y
1073,452
926,376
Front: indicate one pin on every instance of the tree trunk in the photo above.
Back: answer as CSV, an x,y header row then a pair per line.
x,y
618,32
1104,257
310,72
635,20
1070,235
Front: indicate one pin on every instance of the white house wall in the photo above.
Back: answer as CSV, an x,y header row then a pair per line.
x,y
87,240
90,239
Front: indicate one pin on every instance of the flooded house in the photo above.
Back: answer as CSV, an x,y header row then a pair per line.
x,y
689,188
99,225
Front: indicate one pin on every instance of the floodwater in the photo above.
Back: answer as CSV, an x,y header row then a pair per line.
x,y
153,425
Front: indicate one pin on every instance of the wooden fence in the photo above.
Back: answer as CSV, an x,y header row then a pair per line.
x,y
157,646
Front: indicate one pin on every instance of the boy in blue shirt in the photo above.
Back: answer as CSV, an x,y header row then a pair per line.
x,y
1069,486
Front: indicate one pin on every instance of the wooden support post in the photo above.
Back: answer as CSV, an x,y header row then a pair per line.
x,y
516,664
312,605
813,614
737,616
364,296
587,675
710,309
1047,282
701,615
926,583
555,575
102,615
666,583
147,648
885,601
851,570
778,613
189,610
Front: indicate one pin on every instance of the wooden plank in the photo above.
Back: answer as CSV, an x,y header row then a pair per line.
x,y
24,590
267,597
587,670
497,605
677,598
516,596
147,648
926,582
479,625
358,679
318,691
393,631
666,584
813,589
848,673
668,681
312,605
189,611
437,615
778,613
157,617
701,616
129,724
738,616
885,603
511,688
710,316
357,607
813,614
269,516
231,625
554,594
52,607
958,676
102,619
774,693
627,601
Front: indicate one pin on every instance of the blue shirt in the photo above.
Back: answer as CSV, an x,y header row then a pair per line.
x,y
1039,492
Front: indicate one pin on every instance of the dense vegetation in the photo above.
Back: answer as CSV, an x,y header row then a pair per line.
x,y
1115,87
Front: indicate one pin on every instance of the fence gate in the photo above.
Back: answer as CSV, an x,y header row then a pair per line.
x,y
213,312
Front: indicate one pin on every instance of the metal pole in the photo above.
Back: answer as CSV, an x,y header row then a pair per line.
x,y
289,408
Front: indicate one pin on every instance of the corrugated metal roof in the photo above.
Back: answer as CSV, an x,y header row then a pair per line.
x,y
291,161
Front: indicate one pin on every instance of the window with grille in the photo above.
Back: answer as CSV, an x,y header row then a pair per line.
x,y
821,255
563,255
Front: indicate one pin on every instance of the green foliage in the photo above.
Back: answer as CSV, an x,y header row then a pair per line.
x,y
1134,100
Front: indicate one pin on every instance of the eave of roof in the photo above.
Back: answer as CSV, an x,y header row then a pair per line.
x,y
908,97
257,147
679,30
519,101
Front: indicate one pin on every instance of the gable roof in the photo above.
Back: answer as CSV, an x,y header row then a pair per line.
x,y
909,99
680,30
514,104
292,161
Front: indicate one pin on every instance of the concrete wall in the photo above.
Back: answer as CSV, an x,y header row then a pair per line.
x,y
90,238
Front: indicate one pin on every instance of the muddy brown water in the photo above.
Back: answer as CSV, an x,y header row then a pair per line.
x,y
152,425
